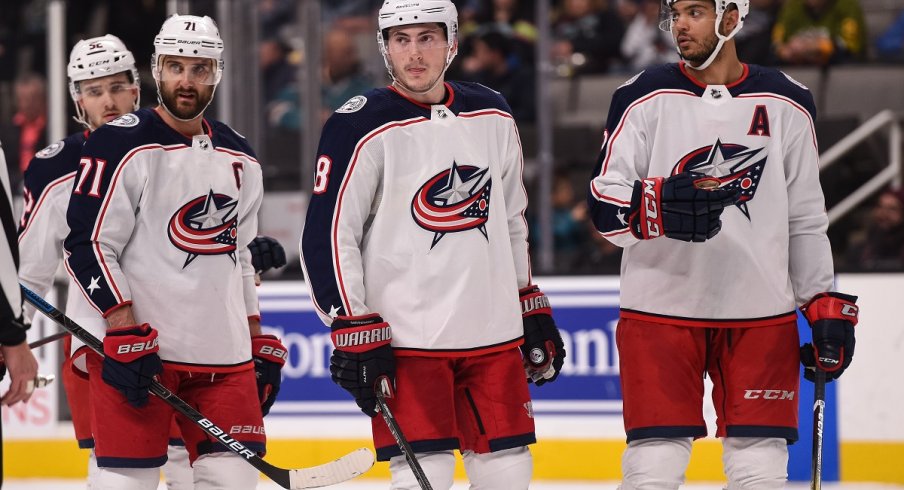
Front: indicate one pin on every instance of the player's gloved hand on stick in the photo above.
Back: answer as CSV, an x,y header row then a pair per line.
x,y
543,350
686,207
131,361
832,317
266,254
362,355
269,355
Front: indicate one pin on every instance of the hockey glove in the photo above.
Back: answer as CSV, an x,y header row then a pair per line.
x,y
543,351
362,355
266,254
131,361
686,207
269,357
832,317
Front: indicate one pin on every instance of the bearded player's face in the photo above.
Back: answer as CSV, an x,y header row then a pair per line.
x,y
186,84
692,24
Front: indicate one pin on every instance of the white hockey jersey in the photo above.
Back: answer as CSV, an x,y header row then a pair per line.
x,y
755,135
417,214
42,228
162,222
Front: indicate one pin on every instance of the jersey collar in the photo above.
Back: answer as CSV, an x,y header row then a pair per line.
x,y
683,68
450,97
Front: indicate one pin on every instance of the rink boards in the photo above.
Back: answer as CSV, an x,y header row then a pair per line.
x,y
578,417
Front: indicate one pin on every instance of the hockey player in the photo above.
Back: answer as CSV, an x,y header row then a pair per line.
x,y
415,250
103,84
710,165
19,361
163,205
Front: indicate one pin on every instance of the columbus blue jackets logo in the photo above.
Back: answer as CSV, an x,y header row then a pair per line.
x,y
736,167
206,225
453,200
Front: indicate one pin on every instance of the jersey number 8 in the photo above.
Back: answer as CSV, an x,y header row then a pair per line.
x,y
322,175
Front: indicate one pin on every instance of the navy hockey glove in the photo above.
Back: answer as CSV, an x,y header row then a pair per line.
x,y
543,351
269,357
832,317
361,356
266,254
686,207
131,361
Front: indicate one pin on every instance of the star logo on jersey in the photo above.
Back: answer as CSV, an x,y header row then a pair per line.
x,y
736,167
454,200
94,285
206,225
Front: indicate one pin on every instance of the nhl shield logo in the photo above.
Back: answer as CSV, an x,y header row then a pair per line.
x,y
454,200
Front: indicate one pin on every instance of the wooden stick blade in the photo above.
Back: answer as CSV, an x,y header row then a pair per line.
x,y
345,468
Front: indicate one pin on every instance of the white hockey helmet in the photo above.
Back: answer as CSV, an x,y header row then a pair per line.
x,y
743,7
95,58
191,36
396,13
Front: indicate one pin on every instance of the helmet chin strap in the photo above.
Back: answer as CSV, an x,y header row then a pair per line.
x,y
712,57
168,111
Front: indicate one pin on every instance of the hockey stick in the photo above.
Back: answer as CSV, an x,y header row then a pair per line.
x,y
47,340
393,425
819,408
340,470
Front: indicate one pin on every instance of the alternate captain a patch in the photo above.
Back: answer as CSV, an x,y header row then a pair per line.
x,y
452,201
205,225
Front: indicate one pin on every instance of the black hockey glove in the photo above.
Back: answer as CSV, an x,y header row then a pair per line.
x,y
685,207
269,357
543,350
362,355
266,254
131,361
832,317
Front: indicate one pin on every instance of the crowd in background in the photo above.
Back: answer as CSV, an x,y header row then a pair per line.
x,y
498,49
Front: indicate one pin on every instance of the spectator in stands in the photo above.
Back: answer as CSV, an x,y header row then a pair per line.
x,y
493,63
818,32
645,44
28,131
890,45
754,41
352,16
343,78
512,17
586,37
880,246
276,71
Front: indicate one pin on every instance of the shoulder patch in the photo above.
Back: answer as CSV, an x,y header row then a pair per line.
x,y
125,121
631,80
795,82
51,151
353,105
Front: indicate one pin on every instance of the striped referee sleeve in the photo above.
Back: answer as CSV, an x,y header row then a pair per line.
x,y
11,330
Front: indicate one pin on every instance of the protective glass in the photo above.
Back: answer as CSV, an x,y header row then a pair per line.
x,y
202,71
90,89
400,43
